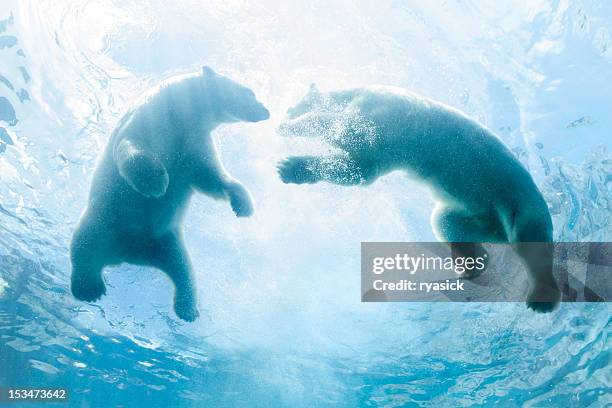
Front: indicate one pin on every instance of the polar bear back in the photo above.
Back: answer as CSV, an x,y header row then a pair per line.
x,y
455,155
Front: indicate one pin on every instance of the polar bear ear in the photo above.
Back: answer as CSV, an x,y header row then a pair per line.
x,y
313,90
206,70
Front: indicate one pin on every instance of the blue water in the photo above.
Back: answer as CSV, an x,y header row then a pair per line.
x,y
281,322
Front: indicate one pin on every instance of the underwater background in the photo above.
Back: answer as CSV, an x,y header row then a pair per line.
x,y
281,321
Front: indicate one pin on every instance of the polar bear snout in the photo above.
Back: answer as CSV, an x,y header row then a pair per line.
x,y
258,113
252,111
284,129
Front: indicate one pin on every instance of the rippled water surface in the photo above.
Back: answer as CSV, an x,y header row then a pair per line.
x,y
282,323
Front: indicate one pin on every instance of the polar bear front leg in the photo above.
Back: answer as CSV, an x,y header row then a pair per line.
x,y
210,177
220,185
143,172
299,170
170,256
240,199
337,169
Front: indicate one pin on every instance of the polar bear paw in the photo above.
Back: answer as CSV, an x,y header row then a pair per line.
x,y
186,309
297,170
88,290
146,175
240,200
543,298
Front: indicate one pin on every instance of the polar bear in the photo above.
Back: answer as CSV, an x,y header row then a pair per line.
x,y
160,152
483,193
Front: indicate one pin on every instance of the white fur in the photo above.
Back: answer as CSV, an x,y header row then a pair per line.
x,y
159,153
483,193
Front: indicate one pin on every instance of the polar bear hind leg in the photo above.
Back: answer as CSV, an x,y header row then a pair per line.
x,y
169,254
88,255
530,232
458,226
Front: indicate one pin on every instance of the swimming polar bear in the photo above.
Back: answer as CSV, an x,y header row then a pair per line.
x,y
159,153
483,193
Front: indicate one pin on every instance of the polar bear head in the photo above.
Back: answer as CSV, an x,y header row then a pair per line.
x,y
312,101
234,102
